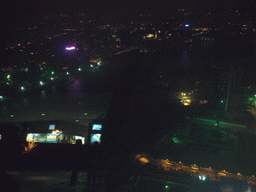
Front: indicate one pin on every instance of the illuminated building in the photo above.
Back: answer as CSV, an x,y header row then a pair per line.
x,y
55,132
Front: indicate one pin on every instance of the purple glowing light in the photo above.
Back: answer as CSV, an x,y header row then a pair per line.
x,y
70,48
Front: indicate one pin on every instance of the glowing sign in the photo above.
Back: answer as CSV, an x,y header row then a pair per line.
x,y
70,48
51,127
95,138
97,127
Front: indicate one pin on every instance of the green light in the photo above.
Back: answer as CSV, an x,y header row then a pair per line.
x,y
67,73
216,124
222,101
52,72
166,186
41,68
176,140
8,76
251,99
1,97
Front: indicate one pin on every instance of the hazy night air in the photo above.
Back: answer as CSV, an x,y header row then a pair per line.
x,y
139,94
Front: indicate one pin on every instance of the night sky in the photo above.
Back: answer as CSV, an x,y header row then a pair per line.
x,y
28,8
16,13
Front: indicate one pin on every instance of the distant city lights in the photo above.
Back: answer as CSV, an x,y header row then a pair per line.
x,y
70,48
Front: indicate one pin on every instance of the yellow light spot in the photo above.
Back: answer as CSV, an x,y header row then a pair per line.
x,y
144,160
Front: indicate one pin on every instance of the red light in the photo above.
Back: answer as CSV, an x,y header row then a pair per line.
x,y
23,47
180,24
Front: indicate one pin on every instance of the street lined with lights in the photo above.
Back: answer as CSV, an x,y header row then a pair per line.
x,y
180,169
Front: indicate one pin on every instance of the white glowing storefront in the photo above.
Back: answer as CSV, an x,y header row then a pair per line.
x,y
55,132
53,138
